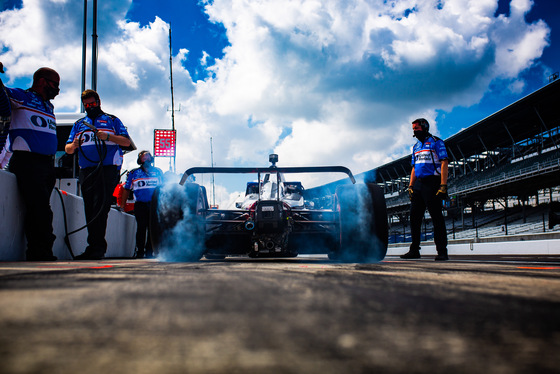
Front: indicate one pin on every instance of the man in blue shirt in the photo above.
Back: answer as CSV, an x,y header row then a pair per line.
x,y
427,188
97,137
143,182
32,138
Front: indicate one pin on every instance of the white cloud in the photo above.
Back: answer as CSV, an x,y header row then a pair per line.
x,y
319,82
401,57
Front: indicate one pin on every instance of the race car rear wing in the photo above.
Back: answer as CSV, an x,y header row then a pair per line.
x,y
267,170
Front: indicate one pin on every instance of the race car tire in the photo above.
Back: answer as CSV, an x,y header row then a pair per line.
x,y
363,226
177,222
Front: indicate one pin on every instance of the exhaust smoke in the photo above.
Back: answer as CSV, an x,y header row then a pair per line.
x,y
363,221
181,238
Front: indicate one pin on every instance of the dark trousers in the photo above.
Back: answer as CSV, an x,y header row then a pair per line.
x,y
97,185
35,179
142,214
424,197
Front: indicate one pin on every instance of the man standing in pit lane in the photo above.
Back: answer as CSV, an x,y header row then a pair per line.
x,y
98,137
32,137
427,188
142,182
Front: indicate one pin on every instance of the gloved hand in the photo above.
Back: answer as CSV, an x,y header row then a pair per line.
x,y
410,192
442,192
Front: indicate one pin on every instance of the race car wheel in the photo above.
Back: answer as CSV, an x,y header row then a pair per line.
x,y
363,227
177,215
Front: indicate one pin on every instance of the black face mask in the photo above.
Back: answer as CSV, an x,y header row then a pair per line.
x,y
421,135
146,160
50,92
93,112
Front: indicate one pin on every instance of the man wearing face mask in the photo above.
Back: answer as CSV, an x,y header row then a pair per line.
x,y
427,188
143,182
32,138
97,137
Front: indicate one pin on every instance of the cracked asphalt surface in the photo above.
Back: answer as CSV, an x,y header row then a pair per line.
x,y
302,315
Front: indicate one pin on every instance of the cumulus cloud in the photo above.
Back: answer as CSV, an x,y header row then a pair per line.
x,y
342,75
319,82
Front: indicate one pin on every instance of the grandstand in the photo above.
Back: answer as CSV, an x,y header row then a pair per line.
x,y
504,172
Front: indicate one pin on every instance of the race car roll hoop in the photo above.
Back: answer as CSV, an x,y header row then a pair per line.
x,y
272,169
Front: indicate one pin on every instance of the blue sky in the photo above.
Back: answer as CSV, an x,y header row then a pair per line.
x,y
319,82
498,95
191,29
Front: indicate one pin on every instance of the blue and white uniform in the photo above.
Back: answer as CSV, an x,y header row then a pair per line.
x,y
88,152
32,139
33,124
426,161
97,183
144,182
427,157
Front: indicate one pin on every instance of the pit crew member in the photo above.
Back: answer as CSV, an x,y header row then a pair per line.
x,y
142,182
97,137
427,188
32,141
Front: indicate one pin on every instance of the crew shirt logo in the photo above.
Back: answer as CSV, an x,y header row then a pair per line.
x,y
86,137
147,183
425,156
40,121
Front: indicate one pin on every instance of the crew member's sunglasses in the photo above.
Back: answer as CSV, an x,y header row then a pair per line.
x,y
91,105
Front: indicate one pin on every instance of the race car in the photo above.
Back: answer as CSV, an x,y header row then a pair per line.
x,y
276,219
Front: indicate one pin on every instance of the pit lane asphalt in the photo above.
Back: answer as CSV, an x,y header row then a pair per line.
x,y
303,315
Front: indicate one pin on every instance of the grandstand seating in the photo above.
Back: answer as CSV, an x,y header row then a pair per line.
x,y
502,172
505,171
528,220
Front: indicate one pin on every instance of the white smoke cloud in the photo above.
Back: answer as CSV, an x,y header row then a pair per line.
x,y
319,82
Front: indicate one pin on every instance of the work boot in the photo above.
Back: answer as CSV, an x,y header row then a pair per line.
x,y
441,254
412,254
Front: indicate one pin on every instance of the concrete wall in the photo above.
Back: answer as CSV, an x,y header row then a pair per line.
x,y
121,227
